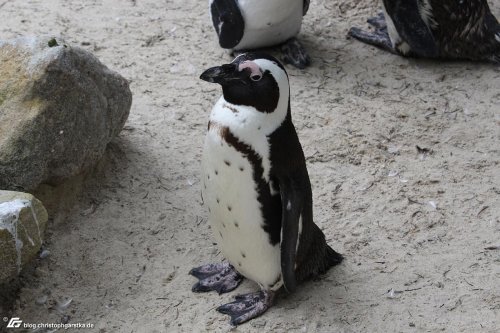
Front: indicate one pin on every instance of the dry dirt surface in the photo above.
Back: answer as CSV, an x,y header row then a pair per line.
x,y
419,227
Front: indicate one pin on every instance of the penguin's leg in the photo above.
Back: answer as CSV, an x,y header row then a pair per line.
x,y
379,38
249,306
295,54
378,21
221,277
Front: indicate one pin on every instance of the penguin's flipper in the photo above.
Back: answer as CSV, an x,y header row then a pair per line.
x,y
249,306
410,25
306,6
221,277
295,54
292,206
379,38
228,22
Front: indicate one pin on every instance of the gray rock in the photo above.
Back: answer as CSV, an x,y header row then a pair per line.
x,y
59,108
23,220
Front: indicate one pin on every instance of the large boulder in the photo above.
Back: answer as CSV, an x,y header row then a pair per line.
x,y
59,108
23,220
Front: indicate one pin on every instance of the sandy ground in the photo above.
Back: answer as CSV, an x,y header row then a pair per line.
x,y
417,223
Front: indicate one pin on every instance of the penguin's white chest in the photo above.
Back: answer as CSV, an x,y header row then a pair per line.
x,y
235,216
269,22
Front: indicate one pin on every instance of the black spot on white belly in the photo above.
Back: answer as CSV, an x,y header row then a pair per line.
x,y
216,172
229,208
242,169
243,255
232,109
236,224
227,163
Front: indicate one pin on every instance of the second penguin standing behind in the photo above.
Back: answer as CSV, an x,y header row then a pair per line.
x,y
251,24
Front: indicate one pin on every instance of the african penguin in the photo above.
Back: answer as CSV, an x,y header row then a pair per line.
x,y
251,24
447,29
257,189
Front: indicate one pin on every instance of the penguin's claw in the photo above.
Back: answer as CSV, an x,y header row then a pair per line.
x,y
248,306
379,38
221,277
378,21
295,54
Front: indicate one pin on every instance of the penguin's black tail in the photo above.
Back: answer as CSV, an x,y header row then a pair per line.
x,y
317,258
333,257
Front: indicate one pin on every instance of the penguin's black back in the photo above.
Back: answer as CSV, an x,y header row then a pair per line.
x,y
314,256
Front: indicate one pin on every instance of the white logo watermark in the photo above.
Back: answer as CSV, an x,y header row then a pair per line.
x,y
16,322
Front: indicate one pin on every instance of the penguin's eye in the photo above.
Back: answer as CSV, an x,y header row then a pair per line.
x,y
255,77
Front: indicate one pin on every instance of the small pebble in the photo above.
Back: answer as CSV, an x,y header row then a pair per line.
x,y
62,306
44,254
41,300
259,323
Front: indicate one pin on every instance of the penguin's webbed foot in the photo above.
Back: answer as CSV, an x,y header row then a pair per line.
x,y
221,277
378,21
379,38
249,306
295,54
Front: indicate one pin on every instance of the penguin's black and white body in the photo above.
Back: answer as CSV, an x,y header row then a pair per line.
x,y
251,24
257,189
447,29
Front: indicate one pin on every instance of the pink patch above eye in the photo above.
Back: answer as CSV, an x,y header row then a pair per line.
x,y
254,68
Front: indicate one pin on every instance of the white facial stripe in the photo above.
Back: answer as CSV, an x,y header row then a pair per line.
x,y
275,118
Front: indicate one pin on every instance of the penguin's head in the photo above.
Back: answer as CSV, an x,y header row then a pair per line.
x,y
252,79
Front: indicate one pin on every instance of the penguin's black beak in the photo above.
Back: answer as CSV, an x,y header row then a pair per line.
x,y
221,74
